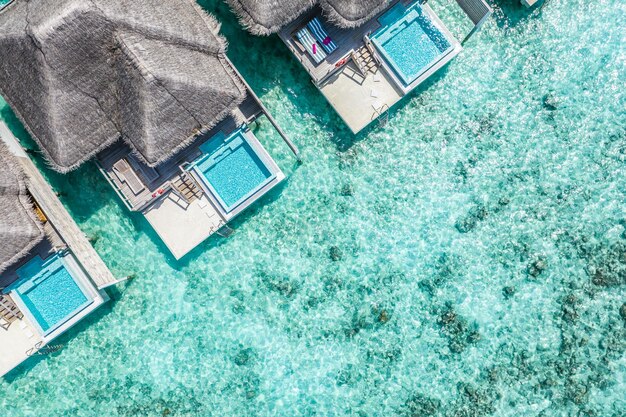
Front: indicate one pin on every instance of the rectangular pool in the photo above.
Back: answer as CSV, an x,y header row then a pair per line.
x,y
232,169
49,292
410,41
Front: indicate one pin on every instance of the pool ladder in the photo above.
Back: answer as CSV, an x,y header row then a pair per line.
x,y
225,230
382,114
45,350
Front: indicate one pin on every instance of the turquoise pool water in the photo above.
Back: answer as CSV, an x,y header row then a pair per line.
x,y
49,292
232,169
409,41
466,259
3,3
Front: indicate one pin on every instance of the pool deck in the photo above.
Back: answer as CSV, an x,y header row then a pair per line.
x,y
183,227
360,100
365,88
22,338
180,210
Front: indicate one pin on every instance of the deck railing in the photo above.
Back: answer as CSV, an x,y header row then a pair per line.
x,y
294,149
478,11
117,190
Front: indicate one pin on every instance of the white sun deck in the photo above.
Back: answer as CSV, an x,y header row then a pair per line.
x,y
529,3
16,343
24,338
360,100
182,227
182,224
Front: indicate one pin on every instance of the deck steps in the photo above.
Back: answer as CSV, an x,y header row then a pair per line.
x,y
9,312
187,188
364,60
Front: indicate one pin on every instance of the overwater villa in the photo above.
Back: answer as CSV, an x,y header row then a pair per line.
x,y
145,88
50,276
363,55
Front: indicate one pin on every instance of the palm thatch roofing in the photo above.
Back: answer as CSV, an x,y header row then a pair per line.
x,y
82,74
20,230
264,17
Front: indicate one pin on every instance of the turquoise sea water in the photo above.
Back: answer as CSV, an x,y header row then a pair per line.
x,y
468,259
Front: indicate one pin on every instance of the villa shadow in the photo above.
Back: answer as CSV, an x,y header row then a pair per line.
x,y
509,13
266,63
70,187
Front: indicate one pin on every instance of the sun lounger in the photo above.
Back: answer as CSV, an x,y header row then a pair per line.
x,y
319,32
310,45
126,174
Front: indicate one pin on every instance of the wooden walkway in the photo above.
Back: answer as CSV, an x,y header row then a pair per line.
x,y
59,218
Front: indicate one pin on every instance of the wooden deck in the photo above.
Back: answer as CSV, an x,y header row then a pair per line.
x,y
168,175
347,40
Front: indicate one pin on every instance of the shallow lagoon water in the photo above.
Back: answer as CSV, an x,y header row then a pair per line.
x,y
467,259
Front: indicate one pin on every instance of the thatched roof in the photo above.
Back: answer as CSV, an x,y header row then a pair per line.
x,y
82,74
20,230
264,17
352,13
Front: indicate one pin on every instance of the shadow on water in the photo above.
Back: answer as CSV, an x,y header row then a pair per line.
x,y
266,63
73,187
509,13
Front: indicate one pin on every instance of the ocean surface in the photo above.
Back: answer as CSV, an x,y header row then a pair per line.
x,y
466,259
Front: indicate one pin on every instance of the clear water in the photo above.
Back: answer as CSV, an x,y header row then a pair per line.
x,y
3,3
409,41
236,174
496,192
51,294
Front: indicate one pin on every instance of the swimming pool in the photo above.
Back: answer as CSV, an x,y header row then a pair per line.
x,y
409,41
232,169
49,292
